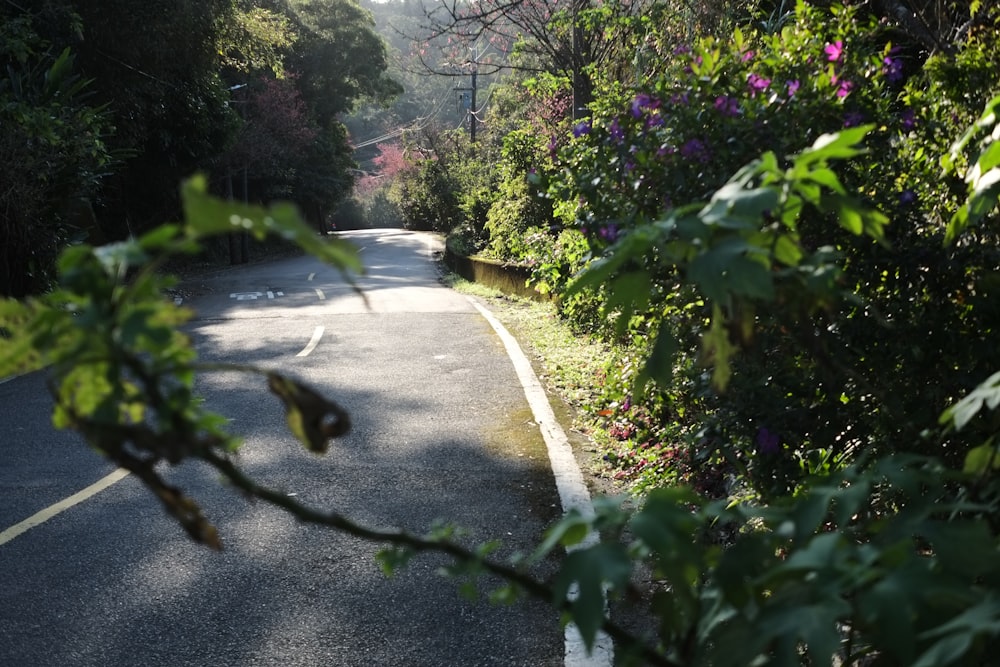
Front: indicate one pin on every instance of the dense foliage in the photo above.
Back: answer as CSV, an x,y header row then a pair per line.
x,y
132,97
785,228
781,326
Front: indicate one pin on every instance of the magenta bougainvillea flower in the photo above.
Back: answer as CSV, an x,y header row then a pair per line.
x,y
793,87
834,51
757,84
844,87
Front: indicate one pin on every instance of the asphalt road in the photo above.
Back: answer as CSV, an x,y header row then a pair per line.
x,y
441,429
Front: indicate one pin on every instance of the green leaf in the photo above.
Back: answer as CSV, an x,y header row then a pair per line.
x,y
965,548
945,652
980,460
839,145
827,178
889,604
986,120
659,365
815,624
717,350
724,269
18,351
855,217
820,553
629,293
735,207
588,571
786,250
570,530
987,393
960,633
392,559
987,160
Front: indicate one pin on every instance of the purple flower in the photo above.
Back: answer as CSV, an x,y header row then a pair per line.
x,y
768,443
892,69
907,197
608,233
727,106
679,99
834,51
757,84
793,87
616,132
747,56
907,120
695,149
581,128
853,119
643,103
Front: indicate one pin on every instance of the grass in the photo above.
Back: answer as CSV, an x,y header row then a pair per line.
x,y
571,366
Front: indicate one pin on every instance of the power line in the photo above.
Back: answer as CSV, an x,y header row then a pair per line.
x,y
416,124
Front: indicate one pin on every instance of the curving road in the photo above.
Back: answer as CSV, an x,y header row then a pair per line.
x,y
441,430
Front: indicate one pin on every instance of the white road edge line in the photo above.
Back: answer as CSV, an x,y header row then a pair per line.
x,y
573,493
41,517
313,342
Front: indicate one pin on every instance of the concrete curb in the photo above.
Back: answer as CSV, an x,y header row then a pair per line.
x,y
573,493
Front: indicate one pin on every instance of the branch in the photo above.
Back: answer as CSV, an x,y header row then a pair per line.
x,y
401,538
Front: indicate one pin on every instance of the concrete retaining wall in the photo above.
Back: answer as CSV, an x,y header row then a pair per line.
x,y
508,278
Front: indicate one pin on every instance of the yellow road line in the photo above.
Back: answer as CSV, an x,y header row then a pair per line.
x,y
52,510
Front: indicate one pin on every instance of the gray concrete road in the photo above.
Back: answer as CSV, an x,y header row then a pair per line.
x,y
441,430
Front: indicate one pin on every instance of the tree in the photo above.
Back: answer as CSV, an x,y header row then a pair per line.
x,y
339,57
53,154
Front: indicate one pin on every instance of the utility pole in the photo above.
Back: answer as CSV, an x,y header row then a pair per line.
x,y
469,102
472,111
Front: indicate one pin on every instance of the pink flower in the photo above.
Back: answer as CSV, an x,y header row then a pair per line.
x,y
834,51
757,83
793,87
844,89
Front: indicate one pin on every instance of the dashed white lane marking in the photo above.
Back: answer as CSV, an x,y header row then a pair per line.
x,y
319,294
41,517
313,342
311,276
573,493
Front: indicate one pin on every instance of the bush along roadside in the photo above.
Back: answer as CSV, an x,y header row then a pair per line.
x,y
811,383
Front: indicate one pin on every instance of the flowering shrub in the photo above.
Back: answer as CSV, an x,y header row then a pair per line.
x,y
813,370
716,106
